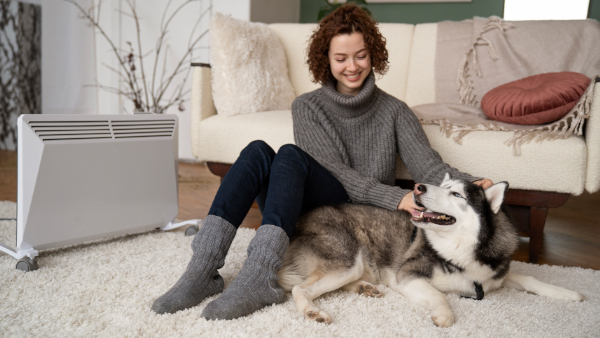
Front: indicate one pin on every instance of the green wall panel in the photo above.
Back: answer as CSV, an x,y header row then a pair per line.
x,y
427,12
594,12
415,13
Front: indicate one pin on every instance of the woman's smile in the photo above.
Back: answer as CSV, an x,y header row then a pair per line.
x,y
354,77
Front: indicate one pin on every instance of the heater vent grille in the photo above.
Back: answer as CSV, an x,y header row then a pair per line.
x,y
49,131
143,128
71,130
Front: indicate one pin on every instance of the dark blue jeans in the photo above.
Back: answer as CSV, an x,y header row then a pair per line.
x,y
284,185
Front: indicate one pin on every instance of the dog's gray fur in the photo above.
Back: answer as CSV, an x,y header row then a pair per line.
x,y
355,247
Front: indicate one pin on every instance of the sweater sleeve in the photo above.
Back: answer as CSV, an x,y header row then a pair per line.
x,y
320,142
424,164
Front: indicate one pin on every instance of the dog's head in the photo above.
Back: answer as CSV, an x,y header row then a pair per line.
x,y
455,203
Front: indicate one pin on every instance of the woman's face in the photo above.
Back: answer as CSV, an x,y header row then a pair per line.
x,y
350,62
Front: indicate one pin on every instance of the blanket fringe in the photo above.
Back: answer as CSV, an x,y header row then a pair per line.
x,y
465,87
572,123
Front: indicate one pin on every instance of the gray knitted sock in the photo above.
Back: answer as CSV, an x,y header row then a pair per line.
x,y
256,285
201,279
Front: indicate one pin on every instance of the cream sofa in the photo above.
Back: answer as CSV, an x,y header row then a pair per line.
x,y
543,176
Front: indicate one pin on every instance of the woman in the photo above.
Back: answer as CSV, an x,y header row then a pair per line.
x,y
347,134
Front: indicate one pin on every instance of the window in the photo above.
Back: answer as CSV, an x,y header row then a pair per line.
x,y
546,9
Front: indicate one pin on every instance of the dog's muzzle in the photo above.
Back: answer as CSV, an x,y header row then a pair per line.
x,y
432,217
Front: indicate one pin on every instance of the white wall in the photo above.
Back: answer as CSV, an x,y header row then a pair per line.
x,y
239,9
67,60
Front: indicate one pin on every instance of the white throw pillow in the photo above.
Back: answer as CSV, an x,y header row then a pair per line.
x,y
249,69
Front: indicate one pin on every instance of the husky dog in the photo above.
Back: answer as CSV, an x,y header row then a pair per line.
x,y
462,243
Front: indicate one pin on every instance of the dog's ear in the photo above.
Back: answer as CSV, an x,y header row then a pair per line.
x,y
447,177
495,195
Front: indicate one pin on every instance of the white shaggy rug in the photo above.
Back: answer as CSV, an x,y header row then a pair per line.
x,y
106,290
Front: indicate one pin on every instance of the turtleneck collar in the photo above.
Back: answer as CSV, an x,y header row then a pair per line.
x,y
349,105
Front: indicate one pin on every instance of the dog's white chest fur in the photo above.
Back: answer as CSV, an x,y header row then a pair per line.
x,y
462,283
459,249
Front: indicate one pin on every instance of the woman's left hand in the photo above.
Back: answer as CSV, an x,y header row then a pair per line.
x,y
485,183
408,203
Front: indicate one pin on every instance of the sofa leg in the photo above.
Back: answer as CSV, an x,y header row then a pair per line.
x,y
219,169
537,221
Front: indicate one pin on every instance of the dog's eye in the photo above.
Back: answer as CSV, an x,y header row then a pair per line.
x,y
457,195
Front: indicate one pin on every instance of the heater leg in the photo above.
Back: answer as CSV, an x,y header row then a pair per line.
x,y
193,222
27,264
191,230
26,257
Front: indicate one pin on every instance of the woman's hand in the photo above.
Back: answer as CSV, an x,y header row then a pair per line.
x,y
408,203
485,183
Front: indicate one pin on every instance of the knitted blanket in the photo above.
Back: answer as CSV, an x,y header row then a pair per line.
x,y
475,56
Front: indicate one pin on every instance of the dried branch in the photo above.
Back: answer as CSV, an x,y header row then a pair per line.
x,y
141,90
115,71
164,70
99,8
160,41
165,84
182,61
139,39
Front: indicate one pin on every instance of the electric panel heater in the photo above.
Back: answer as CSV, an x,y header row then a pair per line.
x,y
86,177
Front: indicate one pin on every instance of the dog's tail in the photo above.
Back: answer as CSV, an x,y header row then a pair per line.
x,y
297,266
288,278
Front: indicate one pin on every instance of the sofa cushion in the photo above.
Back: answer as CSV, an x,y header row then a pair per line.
x,y
249,69
222,138
421,70
536,99
559,165
398,41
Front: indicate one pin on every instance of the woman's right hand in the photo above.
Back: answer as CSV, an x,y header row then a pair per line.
x,y
408,203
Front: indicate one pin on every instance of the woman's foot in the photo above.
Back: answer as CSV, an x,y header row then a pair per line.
x,y
256,285
188,292
201,279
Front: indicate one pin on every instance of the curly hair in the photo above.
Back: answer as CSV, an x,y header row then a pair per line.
x,y
345,20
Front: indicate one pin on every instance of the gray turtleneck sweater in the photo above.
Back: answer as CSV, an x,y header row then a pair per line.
x,y
357,138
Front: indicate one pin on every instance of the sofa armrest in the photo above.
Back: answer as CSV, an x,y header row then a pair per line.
x,y
592,141
202,104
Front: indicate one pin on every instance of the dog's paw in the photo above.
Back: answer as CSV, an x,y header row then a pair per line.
x,y
442,317
568,295
319,316
577,297
369,290
558,292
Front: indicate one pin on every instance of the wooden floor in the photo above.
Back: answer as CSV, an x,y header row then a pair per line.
x,y
571,236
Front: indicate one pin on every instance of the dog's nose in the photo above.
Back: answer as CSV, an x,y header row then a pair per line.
x,y
419,189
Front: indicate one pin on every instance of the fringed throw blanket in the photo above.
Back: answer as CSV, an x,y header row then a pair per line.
x,y
475,56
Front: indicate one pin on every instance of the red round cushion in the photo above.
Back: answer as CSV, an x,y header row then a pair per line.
x,y
536,99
